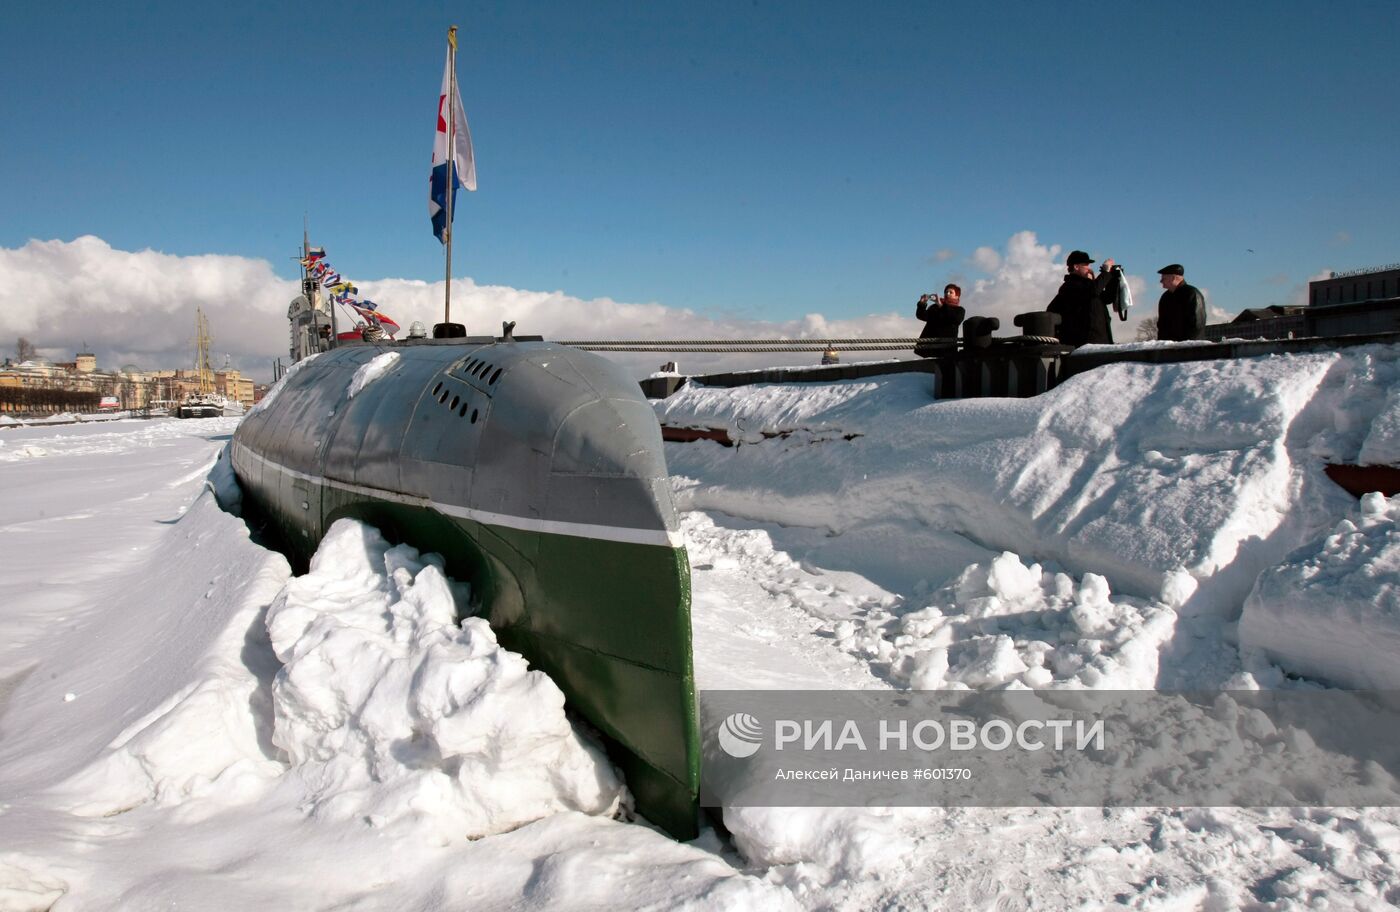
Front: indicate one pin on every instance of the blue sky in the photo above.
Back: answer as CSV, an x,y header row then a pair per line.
x,y
756,159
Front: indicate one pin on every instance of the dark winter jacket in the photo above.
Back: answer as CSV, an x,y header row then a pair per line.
x,y
1181,313
1082,304
941,321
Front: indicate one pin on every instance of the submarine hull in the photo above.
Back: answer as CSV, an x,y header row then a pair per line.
x,y
537,472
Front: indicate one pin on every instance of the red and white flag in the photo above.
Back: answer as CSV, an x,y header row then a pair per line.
x,y
463,162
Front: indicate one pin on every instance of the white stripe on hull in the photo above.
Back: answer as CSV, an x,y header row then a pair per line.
x,y
618,534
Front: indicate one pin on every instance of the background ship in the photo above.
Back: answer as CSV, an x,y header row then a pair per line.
x,y
205,403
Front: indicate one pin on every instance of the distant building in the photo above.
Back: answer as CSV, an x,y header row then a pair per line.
x,y
1356,286
38,386
41,387
1360,302
233,385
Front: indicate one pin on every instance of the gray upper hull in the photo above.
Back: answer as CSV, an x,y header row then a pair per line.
x,y
528,435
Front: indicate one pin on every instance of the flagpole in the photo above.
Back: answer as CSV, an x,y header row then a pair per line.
x,y
451,166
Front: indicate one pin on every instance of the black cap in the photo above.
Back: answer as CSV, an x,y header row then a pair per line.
x,y
1173,269
1076,257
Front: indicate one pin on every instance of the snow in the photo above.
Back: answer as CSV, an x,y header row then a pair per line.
x,y
9,421
181,717
371,371
388,711
1139,473
275,389
1332,610
191,762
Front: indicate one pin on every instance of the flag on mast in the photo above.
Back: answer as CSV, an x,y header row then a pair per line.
x,y
463,162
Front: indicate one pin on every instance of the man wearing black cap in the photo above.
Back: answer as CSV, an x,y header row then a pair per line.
x,y
1082,302
1181,312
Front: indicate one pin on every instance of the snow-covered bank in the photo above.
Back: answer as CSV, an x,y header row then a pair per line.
x,y
1103,536
181,719
10,421
191,722
1332,610
1154,487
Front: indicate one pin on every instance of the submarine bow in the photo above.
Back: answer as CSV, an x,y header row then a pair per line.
x,y
537,472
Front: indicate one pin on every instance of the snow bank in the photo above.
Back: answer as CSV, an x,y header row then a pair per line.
x,y
27,884
997,623
1382,443
1226,752
1139,473
1332,610
1005,624
163,700
1086,539
1102,536
141,710
388,710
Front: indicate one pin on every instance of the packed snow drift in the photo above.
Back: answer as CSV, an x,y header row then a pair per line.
x,y
181,718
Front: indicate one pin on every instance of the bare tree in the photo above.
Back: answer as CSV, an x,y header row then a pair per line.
x,y
1147,330
25,349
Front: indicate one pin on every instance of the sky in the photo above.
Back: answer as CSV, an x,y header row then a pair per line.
x,y
733,164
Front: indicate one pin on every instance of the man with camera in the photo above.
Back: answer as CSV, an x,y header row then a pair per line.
x,y
941,316
1083,300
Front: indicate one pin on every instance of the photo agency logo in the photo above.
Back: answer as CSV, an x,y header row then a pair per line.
x,y
1049,749
741,735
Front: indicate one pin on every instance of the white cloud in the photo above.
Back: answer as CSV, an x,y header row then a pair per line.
x,y
139,307
1023,278
986,259
943,256
556,315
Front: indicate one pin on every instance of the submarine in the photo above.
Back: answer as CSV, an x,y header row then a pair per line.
x,y
536,470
